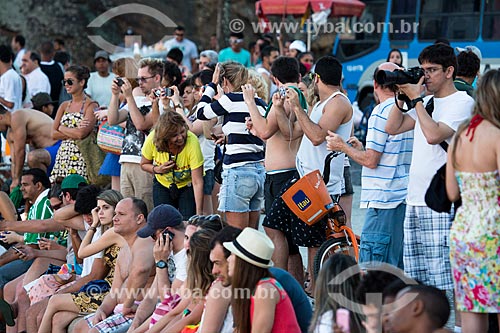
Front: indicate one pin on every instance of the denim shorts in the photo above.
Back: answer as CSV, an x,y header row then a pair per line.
x,y
242,188
208,182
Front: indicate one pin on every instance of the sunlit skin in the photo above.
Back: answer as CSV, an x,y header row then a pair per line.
x,y
230,261
28,189
148,82
190,97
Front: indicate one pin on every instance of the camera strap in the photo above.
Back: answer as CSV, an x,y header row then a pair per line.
x,y
429,107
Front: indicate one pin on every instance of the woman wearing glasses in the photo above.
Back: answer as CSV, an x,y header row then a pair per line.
x,y
74,120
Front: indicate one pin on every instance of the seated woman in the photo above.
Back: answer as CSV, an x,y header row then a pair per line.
x,y
188,311
64,307
173,155
269,308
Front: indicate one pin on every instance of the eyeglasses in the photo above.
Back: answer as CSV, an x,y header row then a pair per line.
x,y
144,79
68,81
432,70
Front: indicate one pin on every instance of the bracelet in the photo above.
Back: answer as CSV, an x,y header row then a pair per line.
x,y
94,229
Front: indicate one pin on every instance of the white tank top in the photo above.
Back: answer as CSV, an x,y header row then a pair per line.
x,y
310,157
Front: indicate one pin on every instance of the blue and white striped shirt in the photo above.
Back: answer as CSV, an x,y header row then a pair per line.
x,y
242,147
386,186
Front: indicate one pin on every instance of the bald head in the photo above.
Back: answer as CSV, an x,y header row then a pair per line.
x,y
383,92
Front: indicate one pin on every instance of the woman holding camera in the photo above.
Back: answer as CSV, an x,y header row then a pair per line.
x,y
242,190
173,155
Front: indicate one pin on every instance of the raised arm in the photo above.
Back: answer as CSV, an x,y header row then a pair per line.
x,y
141,122
115,114
264,127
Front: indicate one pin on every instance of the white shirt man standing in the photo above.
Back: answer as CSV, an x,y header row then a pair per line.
x,y
99,85
36,80
188,48
10,82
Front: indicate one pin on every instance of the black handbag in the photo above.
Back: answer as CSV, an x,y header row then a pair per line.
x,y
219,165
436,197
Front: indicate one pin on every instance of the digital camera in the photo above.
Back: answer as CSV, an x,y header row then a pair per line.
x,y
410,75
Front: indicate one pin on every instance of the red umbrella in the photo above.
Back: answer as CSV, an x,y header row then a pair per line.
x,y
299,7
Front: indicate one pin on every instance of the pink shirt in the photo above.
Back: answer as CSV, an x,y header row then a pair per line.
x,y
283,321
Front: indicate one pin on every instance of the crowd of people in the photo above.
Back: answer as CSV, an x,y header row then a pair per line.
x,y
132,240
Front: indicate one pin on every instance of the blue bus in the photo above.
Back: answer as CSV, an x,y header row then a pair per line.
x,y
462,22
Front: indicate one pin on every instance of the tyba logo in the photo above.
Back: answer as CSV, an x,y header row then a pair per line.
x,y
301,200
131,8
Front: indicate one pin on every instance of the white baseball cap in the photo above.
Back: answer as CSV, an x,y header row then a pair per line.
x,y
298,45
471,48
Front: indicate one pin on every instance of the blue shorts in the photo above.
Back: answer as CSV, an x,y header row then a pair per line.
x,y
208,182
242,188
382,236
53,153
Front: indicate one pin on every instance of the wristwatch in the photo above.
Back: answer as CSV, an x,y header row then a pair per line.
x,y
414,102
161,264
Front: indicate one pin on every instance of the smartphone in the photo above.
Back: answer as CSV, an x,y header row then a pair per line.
x,y
342,320
168,92
17,250
282,91
119,81
169,234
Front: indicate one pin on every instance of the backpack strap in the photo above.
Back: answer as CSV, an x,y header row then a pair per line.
x,y
430,109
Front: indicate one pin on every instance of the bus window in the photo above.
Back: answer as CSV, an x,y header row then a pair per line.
x,y
454,20
402,19
491,23
365,34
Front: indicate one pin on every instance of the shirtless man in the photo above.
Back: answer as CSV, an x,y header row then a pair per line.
x,y
26,126
134,271
280,151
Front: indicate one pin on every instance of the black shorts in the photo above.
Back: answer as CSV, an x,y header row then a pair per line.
x,y
272,187
280,217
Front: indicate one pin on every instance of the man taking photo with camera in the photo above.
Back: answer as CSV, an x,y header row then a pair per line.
x,y
426,232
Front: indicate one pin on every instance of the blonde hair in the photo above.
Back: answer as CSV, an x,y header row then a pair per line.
x,y
260,85
487,105
235,73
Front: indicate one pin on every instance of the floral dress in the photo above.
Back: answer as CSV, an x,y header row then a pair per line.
x,y
69,159
89,303
475,243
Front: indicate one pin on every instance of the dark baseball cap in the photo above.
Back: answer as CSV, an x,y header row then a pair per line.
x,y
159,218
41,99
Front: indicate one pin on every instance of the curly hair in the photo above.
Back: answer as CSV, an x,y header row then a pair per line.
x,y
260,85
166,128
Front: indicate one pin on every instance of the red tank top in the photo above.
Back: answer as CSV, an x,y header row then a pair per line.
x,y
283,321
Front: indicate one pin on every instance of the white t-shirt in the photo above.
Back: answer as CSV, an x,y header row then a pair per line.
x,y
180,260
188,49
427,159
325,323
99,88
89,261
18,60
37,82
11,89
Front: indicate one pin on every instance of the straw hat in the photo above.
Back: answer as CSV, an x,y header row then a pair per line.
x,y
252,246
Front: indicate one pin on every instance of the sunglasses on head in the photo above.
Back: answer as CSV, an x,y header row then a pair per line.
x,y
68,81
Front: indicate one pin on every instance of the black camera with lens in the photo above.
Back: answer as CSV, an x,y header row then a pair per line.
x,y
410,75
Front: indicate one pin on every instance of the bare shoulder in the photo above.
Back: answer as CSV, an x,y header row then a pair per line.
x,y
143,244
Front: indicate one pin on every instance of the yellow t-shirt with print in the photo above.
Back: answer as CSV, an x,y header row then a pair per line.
x,y
188,159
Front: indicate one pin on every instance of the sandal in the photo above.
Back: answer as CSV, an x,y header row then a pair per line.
x,y
7,312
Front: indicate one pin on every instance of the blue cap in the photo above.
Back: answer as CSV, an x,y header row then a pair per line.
x,y
159,218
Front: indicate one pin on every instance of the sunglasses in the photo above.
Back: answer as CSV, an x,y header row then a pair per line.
x,y
68,81
56,207
235,41
144,79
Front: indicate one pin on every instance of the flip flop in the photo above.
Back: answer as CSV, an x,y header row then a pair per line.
x,y
7,312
